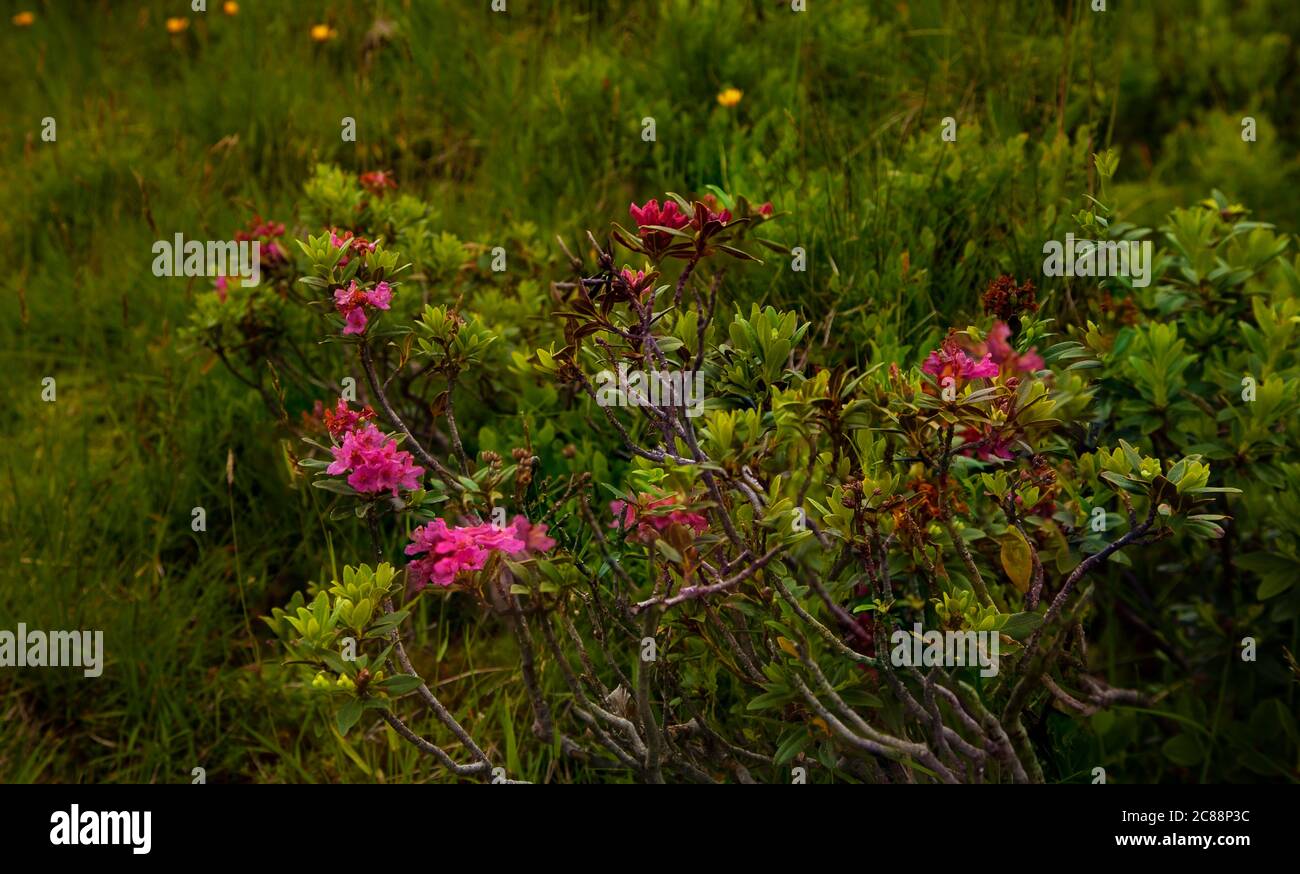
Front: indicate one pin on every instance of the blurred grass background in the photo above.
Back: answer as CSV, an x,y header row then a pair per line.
x,y
532,116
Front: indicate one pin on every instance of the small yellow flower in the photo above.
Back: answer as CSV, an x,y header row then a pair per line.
x,y
730,96
230,7
24,19
323,32
176,25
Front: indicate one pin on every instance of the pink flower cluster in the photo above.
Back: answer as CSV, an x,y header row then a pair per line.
x,y
648,517
352,302
265,232
258,231
466,548
373,462
669,216
950,360
986,444
1001,351
377,182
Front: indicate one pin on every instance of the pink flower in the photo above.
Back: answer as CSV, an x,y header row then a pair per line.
x,y
648,518
267,228
766,210
347,297
352,301
272,252
986,445
713,215
949,360
638,281
221,288
377,181
380,296
1004,354
265,233
356,321
450,551
375,463
670,216
532,536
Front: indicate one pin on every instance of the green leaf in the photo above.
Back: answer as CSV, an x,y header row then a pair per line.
x,y
1277,573
400,684
770,700
1018,626
349,714
1182,750
739,253
668,552
792,746
333,485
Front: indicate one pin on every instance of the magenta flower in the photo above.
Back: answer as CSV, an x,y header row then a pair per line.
x,y
221,286
669,216
638,281
380,296
532,536
450,551
355,321
373,462
712,214
949,360
1003,353
648,517
351,302
267,228
653,242
265,233
986,444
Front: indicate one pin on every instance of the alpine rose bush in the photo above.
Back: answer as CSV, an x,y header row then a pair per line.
x,y
778,549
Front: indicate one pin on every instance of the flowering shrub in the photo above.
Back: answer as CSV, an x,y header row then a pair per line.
x,y
723,598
